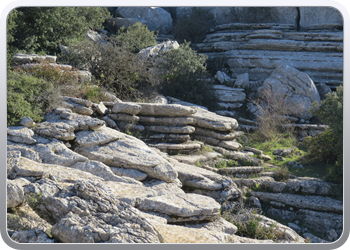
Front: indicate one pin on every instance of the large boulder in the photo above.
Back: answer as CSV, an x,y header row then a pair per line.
x,y
293,89
315,18
161,47
279,15
156,19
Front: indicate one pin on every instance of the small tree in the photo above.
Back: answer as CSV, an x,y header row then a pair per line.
x,y
184,74
136,37
44,28
328,146
273,117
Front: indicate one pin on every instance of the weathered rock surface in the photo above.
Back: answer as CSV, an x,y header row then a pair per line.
x,y
32,236
56,152
156,109
193,159
217,135
315,18
101,170
20,135
241,170
161,47
156,18
310,186
318,203
58,130
27,122
210,120
131,153
15,194
171,129
166,120
128,172
100,136
294,89
126,108
79,122
183,207
87,213
219,225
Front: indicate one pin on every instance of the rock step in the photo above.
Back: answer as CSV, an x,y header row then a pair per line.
x,y
253,182
320,66
183,147
240,170
318,203
194,159
241,157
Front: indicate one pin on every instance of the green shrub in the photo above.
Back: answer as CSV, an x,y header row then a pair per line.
x,y
328,145
113,67
136,37
248,224
184,73
193,27
44,28
54,74
28,96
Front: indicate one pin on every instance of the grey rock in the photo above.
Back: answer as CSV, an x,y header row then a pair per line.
x,y
255,202
253,182
183,207
239,156
320,18
171,129
222,77
131,153
218,135
227,105
58,130
15,194
193,159
242,81
210,120
126,107
294,227
124,118
101,109
161,47
155,109
131,173
284,152
309,185
318,203
13,158
101,170
231,145
219,225
186,146
25,151
100,136
241,170
56,152
314,239
331,235
166,120
20,135
274,186
110,122
294,89
131,127
295,164
27,122
323,90
156,18
32,236
230,95
226,113
79,122
20,59
78,108
80,101
164,188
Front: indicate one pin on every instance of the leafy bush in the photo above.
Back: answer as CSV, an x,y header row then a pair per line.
x,y
184,73
248,224
44,28
328,145
55,74
28,96
113,67
272,118
193,27
136,37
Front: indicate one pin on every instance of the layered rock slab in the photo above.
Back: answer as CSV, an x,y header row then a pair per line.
x,y
130,152
183,207
86,213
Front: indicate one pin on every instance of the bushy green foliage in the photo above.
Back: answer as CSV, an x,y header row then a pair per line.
x,y
113,67
182,62
27,96
44,28
136,37
184,73
328,145
193,27
248,225
54,74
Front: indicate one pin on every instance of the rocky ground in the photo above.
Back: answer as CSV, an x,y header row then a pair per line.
x,y
77,178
